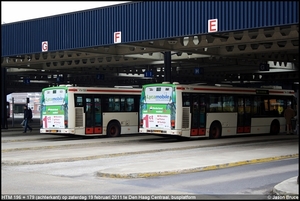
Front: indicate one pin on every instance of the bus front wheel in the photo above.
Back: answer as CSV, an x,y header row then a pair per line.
x,y
113,129
215,130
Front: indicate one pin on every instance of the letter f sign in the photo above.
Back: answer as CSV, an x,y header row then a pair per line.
x,y
117,37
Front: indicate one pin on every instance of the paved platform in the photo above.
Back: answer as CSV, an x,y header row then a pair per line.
x,y
289,187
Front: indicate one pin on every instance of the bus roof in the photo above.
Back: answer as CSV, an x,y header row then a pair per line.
x,y
71,88
224,88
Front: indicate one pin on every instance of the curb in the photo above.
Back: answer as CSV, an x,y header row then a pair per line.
x,y
193,170
282,189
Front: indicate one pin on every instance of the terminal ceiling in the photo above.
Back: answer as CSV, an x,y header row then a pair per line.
x,y
231,57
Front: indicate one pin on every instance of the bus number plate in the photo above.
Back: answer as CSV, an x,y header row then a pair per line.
x,y
53,131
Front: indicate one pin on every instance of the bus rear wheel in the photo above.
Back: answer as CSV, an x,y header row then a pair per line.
x,y
113,129
215,130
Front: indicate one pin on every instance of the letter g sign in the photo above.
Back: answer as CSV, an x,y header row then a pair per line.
x,y
45,46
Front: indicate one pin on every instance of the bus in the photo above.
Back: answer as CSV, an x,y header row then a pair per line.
x,y
212,111
90,111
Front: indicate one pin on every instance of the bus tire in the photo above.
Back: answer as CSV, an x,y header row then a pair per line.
x,y
215,130
113,129
275,127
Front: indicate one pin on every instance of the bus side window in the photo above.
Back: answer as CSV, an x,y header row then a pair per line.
x,y
185,100
98,121
265,109
228,104
116,104
123,105
215,103
129,104
117,107
108,104
254,109
78,101
97,117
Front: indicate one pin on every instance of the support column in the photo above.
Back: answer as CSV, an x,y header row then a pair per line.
x,y
3,99
167,62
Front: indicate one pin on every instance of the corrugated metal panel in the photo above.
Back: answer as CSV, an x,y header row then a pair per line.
x,y
140,21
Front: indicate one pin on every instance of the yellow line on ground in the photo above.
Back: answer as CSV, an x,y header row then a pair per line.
x,y
193,170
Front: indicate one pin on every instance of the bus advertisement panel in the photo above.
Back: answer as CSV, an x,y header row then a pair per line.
x,y
54,108
157,107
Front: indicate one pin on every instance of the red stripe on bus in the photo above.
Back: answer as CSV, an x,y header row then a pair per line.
x,y
72,89
109,90
281,92
211,89
235,90
231,90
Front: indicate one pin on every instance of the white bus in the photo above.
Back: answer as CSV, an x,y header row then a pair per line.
x,y
90,111
212,111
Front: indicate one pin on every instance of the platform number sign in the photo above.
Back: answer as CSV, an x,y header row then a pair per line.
x,y
45,46
117,37
212,25
264,67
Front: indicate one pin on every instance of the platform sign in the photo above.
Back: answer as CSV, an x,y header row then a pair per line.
x,y
117,37
100,76
45,46
26,80
212,25
264,67
148,73
198,71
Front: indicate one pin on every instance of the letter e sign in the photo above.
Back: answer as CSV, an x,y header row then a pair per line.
x,y
212,25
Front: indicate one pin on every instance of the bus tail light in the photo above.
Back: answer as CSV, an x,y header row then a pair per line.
x,y
141,123
66,123
173,123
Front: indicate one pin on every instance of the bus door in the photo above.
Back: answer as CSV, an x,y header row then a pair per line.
x,y
93,115
244,115
198,113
